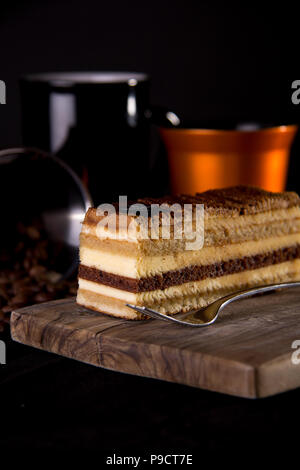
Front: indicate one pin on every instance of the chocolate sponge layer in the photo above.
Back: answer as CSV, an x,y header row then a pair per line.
x,y
190,273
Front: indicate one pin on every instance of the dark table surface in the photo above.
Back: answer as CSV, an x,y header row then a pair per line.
x,y
49,402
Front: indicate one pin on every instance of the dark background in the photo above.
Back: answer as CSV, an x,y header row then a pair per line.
x,y
206,60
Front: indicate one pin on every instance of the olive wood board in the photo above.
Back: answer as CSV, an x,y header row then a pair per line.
x,y
247,352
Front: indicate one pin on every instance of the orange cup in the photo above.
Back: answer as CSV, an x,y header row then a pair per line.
x,y
202,159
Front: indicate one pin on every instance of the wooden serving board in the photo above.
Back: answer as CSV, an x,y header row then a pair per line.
x,y
247,352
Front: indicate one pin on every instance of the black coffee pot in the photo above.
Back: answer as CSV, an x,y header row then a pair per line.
x,y
101,124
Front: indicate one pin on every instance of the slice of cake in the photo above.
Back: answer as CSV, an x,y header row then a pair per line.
x,y
251,238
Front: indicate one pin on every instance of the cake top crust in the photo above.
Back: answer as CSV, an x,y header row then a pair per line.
x,y
238,200
233,201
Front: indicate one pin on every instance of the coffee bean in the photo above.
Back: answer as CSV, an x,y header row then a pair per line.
x,y
51,276
6,309
28,273
52,288
37,271
33,233
20,284
20,299
27,264
43,297
3,293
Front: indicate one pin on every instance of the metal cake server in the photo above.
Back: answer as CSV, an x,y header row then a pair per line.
x,y
208,315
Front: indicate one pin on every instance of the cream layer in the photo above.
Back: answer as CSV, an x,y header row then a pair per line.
x,y
103,304
183,298
138,266
238,280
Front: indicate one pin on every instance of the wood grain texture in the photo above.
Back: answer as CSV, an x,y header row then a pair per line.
x,y
246,353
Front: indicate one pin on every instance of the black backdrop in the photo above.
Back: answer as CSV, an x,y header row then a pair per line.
x,y
206,59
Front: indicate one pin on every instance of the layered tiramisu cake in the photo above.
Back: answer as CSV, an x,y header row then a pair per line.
x,y
249,237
